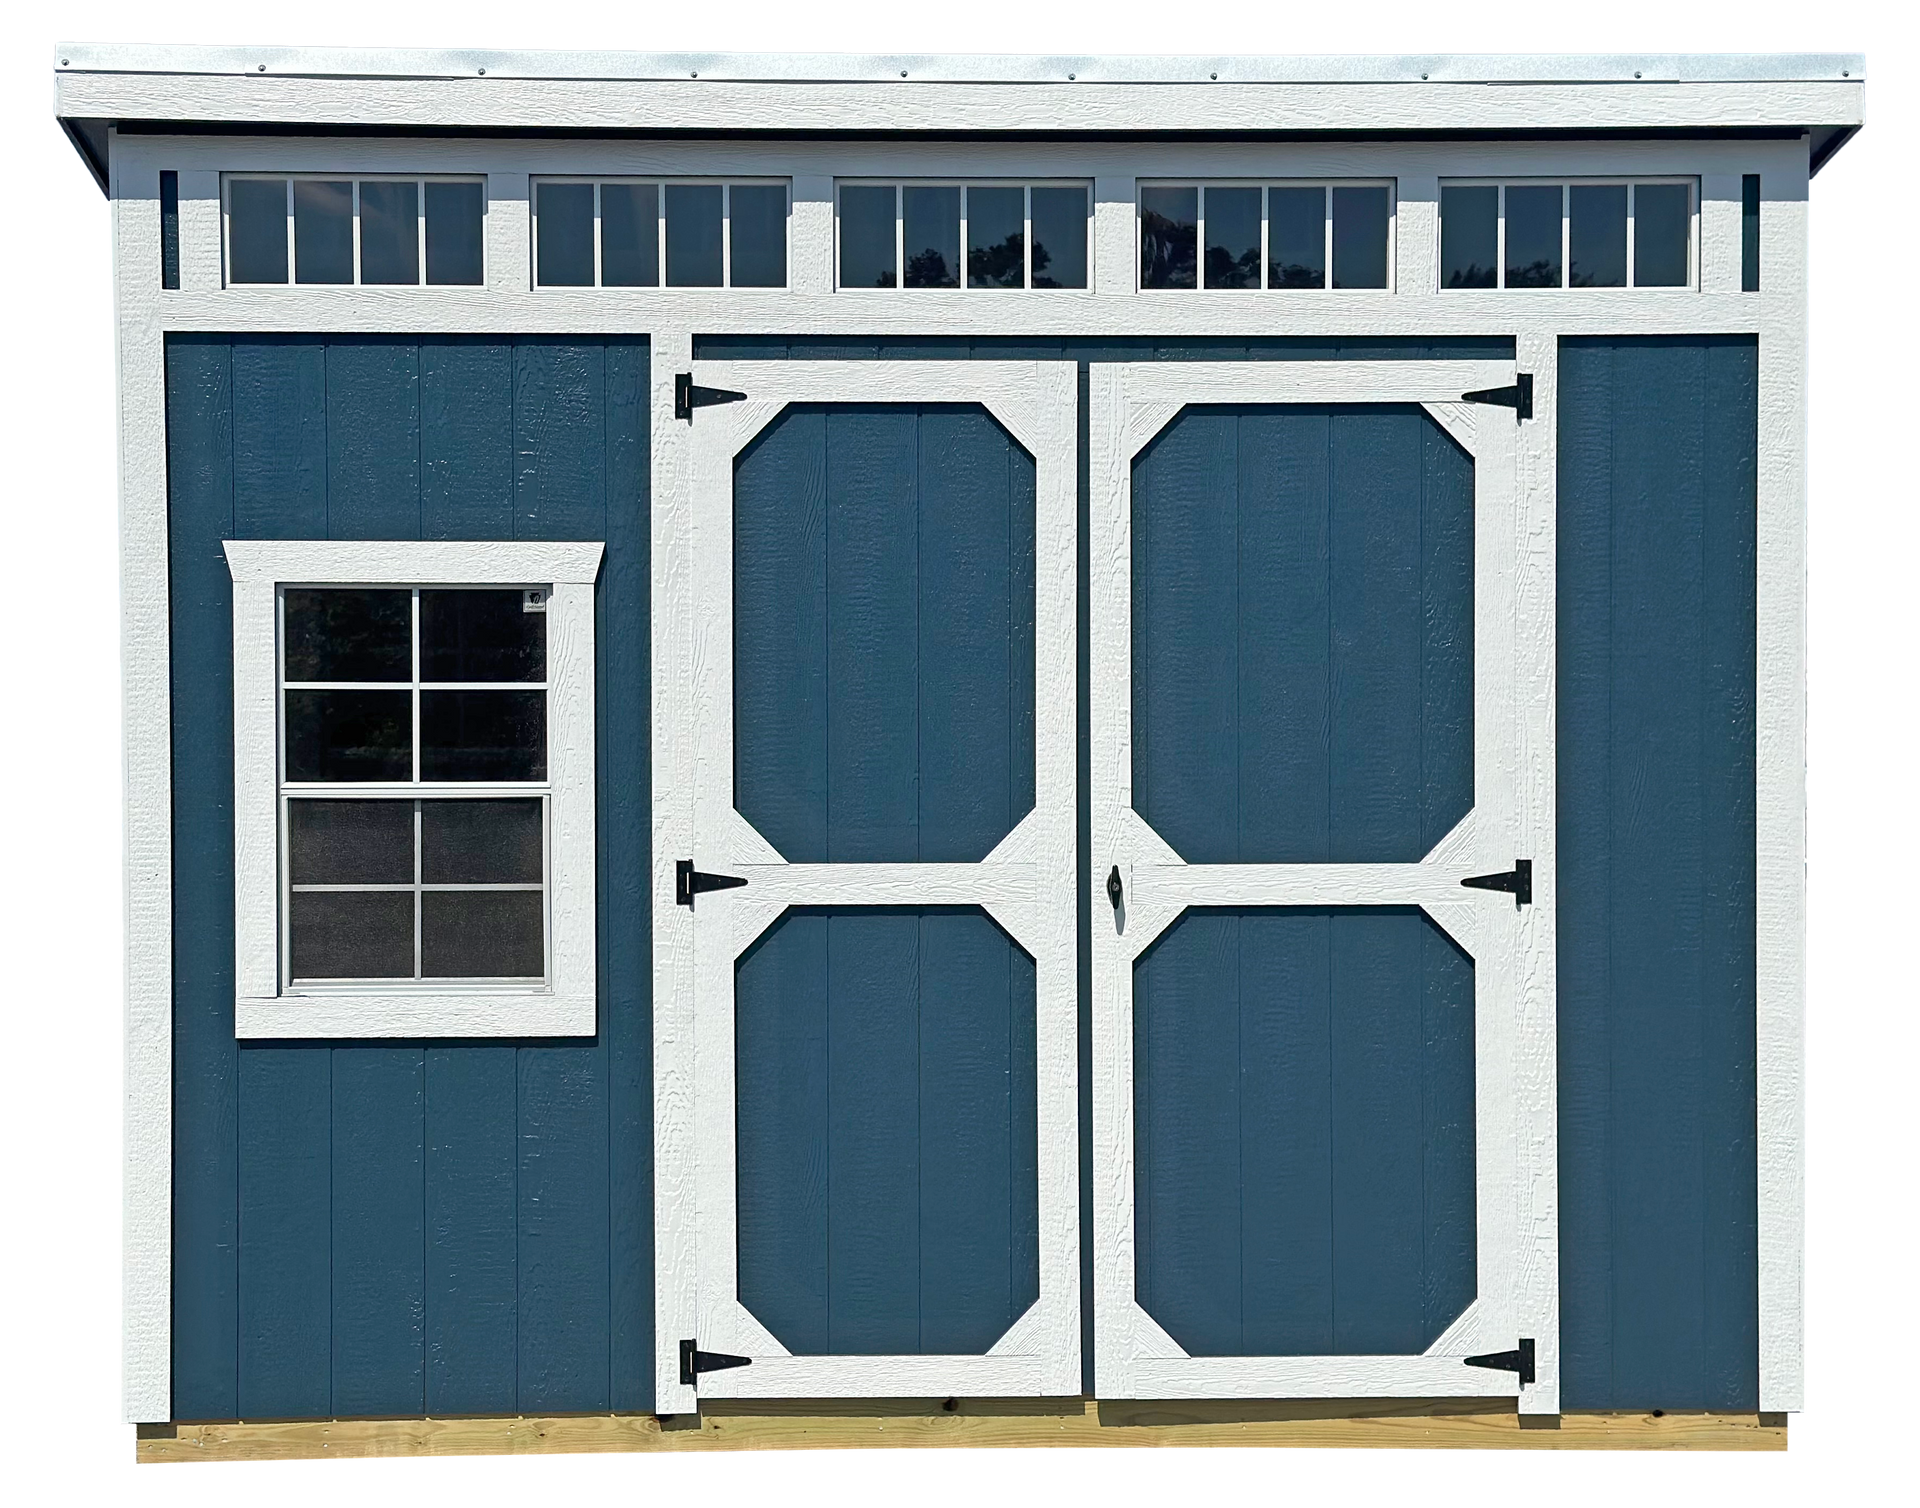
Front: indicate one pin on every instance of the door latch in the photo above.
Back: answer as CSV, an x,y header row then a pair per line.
x,y
694,1361
1517,882
689,882
1518,397
687,396
1519,1360
1114,892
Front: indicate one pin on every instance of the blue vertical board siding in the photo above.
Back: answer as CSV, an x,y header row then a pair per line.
x,y
1656,675
883,633
449,1227
887,1148
1303,1131
1303,642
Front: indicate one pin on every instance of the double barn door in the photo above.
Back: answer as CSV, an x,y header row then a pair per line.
x,y
1319,1117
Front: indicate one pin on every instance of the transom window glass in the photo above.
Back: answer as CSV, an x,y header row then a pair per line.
x,y
319,229
1591,234
625,233
1266,235
963,235
413,783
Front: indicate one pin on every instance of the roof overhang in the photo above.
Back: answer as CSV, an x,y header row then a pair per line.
x,y
308,90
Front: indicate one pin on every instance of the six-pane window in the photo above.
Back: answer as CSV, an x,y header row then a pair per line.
x,y
413,783
1273,235
321,229
627,233
962,235
1601,234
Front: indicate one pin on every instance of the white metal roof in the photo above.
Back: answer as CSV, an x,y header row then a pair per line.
x,y
720,94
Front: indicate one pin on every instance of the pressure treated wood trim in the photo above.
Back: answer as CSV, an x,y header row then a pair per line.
x,y
1422,1424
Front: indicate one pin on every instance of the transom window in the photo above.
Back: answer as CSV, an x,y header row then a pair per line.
x,y
319,228
414,783
985,235
1266,235
1592,234
624,233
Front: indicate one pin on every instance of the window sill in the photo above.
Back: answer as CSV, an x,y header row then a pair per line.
x,y
414,1013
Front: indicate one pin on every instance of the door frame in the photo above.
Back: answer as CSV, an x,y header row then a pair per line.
x,y
1026,884
1514,1130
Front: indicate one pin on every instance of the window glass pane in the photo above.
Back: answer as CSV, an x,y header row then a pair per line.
x,y
1533,236
1296,238
350,735
1059,237
1470,237
629,235
996,238
169,229
481,634
1660,233
1360,237
1169,232
257,230
866,237
455,213
1597,235
322,230
389,232
563,234
482,934
1749,234
1233,237
481,842
352,934
693,235
930,222
350,842
347,634
757,235
483,735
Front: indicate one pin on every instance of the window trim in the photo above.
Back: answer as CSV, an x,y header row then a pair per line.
x,y
420,182
1266,185
564,1005
901,183
1567,183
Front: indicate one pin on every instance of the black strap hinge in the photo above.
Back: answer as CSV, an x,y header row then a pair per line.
x,y
1517,882
1519,397
694,1361
1519,1360
689,882
687,396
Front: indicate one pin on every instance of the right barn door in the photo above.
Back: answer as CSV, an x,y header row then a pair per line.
x,y
1316,904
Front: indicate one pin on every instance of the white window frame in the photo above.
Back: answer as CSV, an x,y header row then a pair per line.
x,y
1516,1290
900,184
660,185
1266,185
420,182
1630,182
265,1005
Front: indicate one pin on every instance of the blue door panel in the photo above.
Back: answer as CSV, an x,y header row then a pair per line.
x,y
1302,633
887,1151
883,633
1303,1131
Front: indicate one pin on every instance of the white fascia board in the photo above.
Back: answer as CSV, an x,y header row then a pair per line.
x,y
622,92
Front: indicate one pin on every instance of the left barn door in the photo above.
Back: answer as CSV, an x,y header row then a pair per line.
x,y
882,879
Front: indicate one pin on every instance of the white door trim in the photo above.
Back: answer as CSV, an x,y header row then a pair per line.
x,y
1026,883
1134,1356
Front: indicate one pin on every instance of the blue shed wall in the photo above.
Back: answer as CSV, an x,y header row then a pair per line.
x,y
440,1227
1659,1270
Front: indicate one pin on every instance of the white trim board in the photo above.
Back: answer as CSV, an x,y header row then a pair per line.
x,y
264,1006
1026,884
1514,1050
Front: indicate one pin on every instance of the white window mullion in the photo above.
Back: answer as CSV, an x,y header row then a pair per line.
x,y
726,235
1631,275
